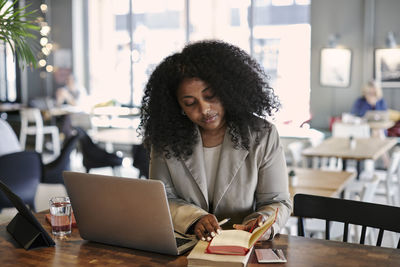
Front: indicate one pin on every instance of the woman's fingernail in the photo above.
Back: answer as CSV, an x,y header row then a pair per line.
x,y
203,239
260,223
212,234
208,238
218,231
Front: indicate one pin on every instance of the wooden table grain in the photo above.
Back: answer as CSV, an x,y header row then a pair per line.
x,y
306,252
300,251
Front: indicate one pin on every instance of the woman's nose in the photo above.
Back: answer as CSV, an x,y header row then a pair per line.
x,y
205,108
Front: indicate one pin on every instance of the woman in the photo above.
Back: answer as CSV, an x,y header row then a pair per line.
x,y
371,100
217,158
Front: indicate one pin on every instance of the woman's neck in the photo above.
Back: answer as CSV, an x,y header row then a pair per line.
x,y
212,138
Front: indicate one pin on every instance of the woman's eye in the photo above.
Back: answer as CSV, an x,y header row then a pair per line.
x,y
188,104
209,97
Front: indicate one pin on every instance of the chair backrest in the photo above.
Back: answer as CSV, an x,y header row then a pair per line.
x,y
9,141
52,172
31,115
361,213
392,174
340,129
295,149
93,155
394,166
141,160
369,189
21,172
88,147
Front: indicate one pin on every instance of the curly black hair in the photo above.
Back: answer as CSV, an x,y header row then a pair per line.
x,y
237,80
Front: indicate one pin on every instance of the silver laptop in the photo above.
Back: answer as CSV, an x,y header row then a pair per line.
x,y
125,212
376,115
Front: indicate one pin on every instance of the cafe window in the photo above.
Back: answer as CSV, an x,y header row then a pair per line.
x,y
282,44
224,19
126,42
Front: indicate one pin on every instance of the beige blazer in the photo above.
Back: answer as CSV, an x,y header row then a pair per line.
x,y
248,183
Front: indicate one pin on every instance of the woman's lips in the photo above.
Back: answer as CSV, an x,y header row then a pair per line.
x,y
210,119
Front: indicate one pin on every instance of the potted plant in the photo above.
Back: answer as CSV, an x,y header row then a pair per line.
x,y
16,28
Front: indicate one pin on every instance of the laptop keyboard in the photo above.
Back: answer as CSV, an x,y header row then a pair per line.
x,y
181,241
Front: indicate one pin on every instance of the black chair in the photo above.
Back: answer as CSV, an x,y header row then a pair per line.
x,y
95,156
21,172
141,160
52,172
365,214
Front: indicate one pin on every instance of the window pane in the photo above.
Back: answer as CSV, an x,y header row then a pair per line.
x,y
282,43
109,57
116,67
11,76
159,30
223,19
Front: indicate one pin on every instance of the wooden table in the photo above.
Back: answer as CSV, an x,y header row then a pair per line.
x,y
10,107
127,136
381,125
116,111
321,182
338,147
300,251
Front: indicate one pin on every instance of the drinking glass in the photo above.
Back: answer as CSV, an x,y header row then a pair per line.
x,y
60,213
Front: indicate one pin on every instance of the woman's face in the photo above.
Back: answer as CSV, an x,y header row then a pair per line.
x,y
201,105
371,96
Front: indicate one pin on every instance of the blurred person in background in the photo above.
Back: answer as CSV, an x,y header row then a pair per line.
x,y
371,99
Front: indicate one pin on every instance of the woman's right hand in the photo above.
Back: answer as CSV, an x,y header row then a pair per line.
x,y
207,227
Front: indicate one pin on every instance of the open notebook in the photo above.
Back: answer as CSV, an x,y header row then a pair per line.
x,y
124,212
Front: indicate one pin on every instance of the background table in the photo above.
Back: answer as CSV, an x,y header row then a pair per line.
x,y
366,148
120,136
338,147
321,182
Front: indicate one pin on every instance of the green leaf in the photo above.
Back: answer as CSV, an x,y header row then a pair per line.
x,y
16,27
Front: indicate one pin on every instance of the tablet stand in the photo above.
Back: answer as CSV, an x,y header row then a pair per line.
x,y
26,234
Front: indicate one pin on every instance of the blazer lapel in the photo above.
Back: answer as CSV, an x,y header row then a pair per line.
x,y
195,165
229,163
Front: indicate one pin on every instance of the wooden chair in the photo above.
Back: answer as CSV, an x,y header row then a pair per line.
x,y
365,214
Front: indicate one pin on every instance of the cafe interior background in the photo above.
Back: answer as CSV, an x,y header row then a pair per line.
x,y
111,48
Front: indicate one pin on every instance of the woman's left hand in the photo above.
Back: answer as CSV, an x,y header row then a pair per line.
x,y
252,224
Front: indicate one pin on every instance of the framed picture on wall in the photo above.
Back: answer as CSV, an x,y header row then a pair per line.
x,y
387,66
335,68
